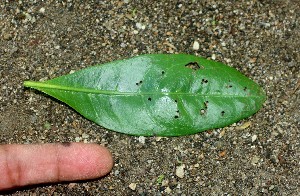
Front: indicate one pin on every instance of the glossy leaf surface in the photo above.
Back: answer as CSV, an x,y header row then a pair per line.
x,y
163,95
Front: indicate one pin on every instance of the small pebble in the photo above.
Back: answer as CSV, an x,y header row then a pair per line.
x,y
117,172
140,26
213,57
158,138
132,186
71,185
142,139
274,133
42,10
85,136
254,137
7,36
222,133
196,45
78,139
254,160
165,183
222,154
244,126
168,190
180,171
227,60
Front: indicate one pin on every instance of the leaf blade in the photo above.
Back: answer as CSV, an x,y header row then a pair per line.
x,y
158,94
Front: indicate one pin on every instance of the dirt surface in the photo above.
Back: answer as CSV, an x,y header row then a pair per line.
x,y
256,156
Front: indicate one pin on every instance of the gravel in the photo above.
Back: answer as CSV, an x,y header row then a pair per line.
x,y
260,155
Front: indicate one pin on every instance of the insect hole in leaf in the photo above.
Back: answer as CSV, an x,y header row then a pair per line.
x,y
138,83
202,111
194,66
206,104
204,81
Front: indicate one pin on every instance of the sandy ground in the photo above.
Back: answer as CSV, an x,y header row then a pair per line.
x,y
44,39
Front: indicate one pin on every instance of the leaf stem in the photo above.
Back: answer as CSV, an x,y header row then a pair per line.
x,y
43,85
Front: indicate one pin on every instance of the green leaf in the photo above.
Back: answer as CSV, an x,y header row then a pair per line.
x,y
157,94
160,179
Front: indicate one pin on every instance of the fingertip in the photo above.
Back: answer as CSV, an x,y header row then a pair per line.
x,y
104,159
83,161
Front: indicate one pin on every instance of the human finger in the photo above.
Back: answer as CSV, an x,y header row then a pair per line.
x,y
22,165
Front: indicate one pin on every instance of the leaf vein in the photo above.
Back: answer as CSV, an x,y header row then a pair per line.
x,y
111,92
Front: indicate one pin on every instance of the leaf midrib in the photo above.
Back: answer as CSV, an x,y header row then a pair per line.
x,y
33,84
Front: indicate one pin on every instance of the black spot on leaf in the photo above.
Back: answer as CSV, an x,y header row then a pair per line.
x,y
245,88
206,104
163,72
175,100
222,113
138,83
204,81
149,99
176,116
194,66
